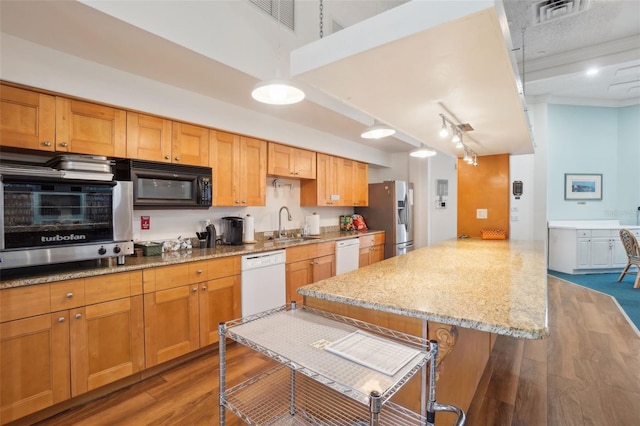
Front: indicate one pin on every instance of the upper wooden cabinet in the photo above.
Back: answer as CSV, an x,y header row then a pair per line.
x,y
361,184
190,144
87,128
148,137
339,182
288,161
27,119
239,170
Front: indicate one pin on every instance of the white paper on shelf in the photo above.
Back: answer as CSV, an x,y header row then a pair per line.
x,y
382,355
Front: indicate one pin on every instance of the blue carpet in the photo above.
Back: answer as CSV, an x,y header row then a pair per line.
x,y
623,291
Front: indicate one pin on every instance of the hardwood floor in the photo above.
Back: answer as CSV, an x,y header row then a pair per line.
x,y
586,373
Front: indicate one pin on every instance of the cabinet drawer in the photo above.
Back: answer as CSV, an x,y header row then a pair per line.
x,y
223,267
164,277
198,272
324,249
600,233
371,240
112,286
67,294
24,302
584,233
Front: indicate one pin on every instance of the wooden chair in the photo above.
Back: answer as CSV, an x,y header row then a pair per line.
x,y
633,253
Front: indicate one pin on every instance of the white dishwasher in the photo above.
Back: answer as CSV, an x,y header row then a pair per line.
x,y
347,255
263,281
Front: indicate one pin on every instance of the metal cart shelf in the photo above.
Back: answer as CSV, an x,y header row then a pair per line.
x,y
312,386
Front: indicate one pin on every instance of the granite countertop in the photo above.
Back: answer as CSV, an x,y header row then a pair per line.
x,y
10,279
488,285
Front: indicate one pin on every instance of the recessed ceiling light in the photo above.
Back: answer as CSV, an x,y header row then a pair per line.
x,y
592,71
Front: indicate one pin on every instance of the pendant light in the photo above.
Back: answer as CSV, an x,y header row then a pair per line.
x,y
277,91
423,152
377,131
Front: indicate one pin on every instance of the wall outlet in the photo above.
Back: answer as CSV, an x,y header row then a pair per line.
x,y
268,234
481,214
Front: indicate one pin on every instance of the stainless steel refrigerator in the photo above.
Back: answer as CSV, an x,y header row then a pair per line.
x,y
391,210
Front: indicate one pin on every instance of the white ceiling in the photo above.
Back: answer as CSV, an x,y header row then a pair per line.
x,y
461,67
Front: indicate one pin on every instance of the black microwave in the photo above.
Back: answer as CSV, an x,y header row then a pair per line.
x,y
166,186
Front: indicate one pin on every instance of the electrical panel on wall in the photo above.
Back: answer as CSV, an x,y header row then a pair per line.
x,y
442,189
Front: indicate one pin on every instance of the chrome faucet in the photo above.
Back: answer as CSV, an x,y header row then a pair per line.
x,y
280,220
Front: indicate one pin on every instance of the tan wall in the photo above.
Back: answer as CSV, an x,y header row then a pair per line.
x,y
483,187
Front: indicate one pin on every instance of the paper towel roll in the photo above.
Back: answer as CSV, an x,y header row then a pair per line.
x,y
249,229
313,223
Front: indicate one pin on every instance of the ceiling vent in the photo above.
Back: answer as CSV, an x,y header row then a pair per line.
x,y
281,10
552,10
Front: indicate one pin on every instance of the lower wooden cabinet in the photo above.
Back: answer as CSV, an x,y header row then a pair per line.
x,y
107,343
34,364
219,301
171,323
308,264
185,317
48,358
371,249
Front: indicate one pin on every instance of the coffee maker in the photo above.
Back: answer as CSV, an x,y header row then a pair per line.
x,y
232,228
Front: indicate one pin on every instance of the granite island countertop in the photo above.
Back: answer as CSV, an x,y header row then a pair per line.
x,y
41,275
488,285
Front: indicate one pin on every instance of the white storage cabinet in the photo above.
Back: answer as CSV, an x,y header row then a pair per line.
x,y
312,386
587,250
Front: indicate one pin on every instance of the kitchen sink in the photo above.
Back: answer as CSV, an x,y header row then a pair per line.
x,y
288,240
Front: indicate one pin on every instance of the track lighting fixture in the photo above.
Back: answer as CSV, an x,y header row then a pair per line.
x,y
444,131
458,131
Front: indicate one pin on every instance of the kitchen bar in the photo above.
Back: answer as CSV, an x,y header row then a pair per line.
x,y
460,292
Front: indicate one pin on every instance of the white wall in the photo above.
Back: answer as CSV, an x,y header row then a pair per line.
x,y
169,224
37,66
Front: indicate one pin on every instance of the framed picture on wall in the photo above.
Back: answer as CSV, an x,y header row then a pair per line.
x,y
580,186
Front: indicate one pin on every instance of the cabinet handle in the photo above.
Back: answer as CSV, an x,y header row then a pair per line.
x,y
244,201
204,287
311,263
61,319
69,295
46,143
167,157
237,201
194,289
199,271
64,144
177,158
78,316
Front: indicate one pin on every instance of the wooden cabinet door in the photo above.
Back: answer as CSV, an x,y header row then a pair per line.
x,y
107,343
190,144
298,274
361,184
377,254
219,302
148,137
253,172
87,128
34,364
324,267
280,160
327,181
28,119
363,259
225,164
305,164
171,323
346,176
